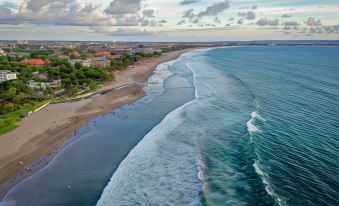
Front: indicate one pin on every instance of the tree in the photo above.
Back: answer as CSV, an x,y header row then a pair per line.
x,y
78,65
6,107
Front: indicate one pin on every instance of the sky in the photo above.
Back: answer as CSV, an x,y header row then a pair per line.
x,y
169,20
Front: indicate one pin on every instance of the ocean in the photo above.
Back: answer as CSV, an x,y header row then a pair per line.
x,y
225,126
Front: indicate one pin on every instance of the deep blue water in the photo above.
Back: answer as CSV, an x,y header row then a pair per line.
x,y
263,130
233,126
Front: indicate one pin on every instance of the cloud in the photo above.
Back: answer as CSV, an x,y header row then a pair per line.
x,y
311,21
267,22
247,15
181,22
290,23
187,2
120,7
240,21
215,9
254,7
163,21
4,12
9,5
331,29
58,12
71,12
125,32
286,16
148,13
188,13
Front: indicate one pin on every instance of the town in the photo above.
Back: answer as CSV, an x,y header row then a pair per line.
x,y
33,73
36,70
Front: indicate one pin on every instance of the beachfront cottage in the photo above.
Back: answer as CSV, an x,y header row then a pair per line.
x,y
6,75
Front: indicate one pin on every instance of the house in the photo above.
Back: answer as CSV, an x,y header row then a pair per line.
x,y
33,61
6,75
100,62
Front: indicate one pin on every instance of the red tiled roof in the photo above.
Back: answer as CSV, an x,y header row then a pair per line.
x,y
103,53
33,61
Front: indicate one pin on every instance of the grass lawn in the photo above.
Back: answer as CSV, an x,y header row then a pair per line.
x,y
7,121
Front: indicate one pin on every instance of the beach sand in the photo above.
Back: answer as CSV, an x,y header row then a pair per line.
x,y
31,146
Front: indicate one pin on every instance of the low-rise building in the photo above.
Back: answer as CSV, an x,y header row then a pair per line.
x,y
101,62
87,63
2,52
6,75
52,84
74,61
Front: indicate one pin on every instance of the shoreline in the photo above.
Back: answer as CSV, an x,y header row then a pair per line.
x,y
31,147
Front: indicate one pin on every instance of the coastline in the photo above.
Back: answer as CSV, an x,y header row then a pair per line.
x,y
33,145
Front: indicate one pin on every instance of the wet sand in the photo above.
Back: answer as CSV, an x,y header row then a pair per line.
x,y
40,136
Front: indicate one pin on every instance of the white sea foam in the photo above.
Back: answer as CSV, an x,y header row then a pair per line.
x,y
154,169
8,203
268,187
201,172
251,128
155,84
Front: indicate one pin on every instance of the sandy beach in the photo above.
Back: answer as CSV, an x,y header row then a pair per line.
x,y
33,144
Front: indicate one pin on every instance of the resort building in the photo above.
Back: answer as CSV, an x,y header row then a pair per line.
x,y
6,75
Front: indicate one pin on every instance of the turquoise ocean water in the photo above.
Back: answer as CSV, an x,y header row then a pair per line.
x,y
226,126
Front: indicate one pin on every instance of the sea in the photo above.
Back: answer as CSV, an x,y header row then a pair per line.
x,y
252,125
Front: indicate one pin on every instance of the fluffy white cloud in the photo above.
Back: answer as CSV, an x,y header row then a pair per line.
x,y
119,7
267,22
215,9
311,21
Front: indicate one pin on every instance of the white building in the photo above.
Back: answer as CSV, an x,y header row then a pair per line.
x,y
87,63
6,75
2,53
74,61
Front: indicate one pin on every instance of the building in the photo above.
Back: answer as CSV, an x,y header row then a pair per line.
x,y
2,52
142,50
103,53
100,62
74,61
108,55
6,75
52,84
87,63
33,61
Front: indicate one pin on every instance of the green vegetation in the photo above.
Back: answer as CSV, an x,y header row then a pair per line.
x,y
7,121
17,97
